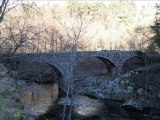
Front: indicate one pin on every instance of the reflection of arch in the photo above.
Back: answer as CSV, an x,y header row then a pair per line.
x,y
96,65
132,63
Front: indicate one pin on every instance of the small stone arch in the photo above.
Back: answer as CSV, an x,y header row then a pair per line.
x,y
132,63
108,64
99,66
56,73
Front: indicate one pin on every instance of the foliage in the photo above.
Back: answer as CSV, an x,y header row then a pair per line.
x,y
9,99
141,54
146,58
21,114
4,114
84,8
92,25
120,12
8,111
156,29
4,91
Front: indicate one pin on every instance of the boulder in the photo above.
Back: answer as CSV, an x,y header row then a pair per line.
x,y
122,82
130,89
13,74
104,87
132,105
126,75
140,91
83,106
3,70
117,80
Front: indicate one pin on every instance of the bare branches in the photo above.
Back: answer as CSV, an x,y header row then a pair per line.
x,y
79,26
3,8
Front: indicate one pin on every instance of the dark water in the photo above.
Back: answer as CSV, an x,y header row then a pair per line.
x,y
113,111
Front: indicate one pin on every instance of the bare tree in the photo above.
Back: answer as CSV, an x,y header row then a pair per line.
x,y
3,7
76,26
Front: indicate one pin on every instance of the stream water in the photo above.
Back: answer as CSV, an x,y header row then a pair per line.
x,y
37,98
113,111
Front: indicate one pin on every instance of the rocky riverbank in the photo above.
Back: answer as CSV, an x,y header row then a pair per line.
x,y
10,105
20,100
133,86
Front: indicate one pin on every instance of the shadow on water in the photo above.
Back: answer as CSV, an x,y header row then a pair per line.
x,y
113,111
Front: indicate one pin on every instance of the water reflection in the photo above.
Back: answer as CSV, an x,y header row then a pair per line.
x,y
112,111
38,98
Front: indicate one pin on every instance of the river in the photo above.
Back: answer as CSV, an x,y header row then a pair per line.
x,y
42,98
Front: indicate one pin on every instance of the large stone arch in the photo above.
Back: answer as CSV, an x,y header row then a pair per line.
x,y
103,65
132,63
41,72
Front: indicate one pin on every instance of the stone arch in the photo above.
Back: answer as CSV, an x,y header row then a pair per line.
x,y
98,65
132,63
41,72
56,72
108,64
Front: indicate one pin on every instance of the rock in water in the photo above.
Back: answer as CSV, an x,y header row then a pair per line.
x,y
89,107
84,106
132,105
140,91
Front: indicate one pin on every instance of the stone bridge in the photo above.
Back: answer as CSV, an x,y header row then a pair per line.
x,y
114,60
